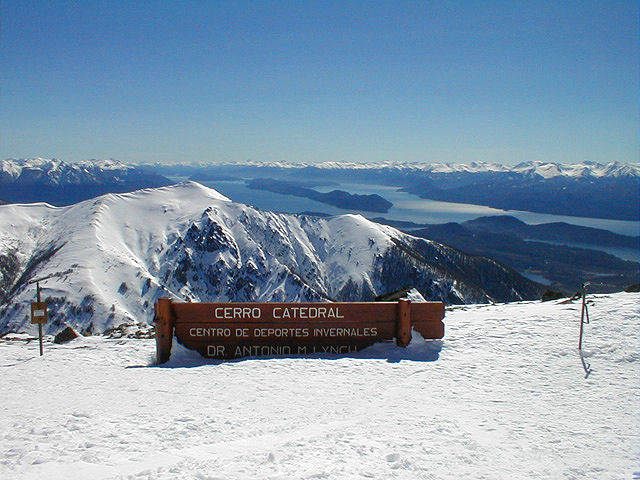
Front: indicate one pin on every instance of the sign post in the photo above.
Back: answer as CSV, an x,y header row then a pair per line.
x,y
584,313
164,329
39,313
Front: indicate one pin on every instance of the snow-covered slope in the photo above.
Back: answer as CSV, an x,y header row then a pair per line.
x,y
189,242
502,397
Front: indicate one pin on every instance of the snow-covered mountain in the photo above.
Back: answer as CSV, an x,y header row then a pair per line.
x,y
189,242
58,172
53,171
63,183
542,169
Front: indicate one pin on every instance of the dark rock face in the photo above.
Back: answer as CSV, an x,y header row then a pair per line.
x,y
66,335
633,288
9,270
549,295
443,273
210,263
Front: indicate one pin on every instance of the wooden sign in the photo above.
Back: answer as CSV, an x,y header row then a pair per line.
x,y
39,312
232,330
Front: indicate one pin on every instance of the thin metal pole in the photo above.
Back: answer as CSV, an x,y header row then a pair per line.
x,y
39,325
584,294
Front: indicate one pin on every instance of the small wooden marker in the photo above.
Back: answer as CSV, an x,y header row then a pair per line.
x,y
38,312
403,325
39,309
39,317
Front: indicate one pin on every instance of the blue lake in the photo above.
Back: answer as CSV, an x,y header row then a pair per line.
x,y
406,207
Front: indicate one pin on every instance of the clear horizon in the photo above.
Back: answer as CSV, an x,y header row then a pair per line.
x,y
320,81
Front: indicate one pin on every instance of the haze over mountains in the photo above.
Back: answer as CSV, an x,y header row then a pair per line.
x,y
532,168
584,190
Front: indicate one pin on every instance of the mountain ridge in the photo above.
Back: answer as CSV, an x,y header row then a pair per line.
x,y
64,183
555,231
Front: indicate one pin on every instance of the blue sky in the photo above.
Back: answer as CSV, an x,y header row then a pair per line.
x,y
320,81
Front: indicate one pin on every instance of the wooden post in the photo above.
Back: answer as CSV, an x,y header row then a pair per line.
x,y
164,320
403,323
582,314
39,325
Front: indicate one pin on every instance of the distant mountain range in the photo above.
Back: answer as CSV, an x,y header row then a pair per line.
x,y
60,183
531,169
121,252
562,232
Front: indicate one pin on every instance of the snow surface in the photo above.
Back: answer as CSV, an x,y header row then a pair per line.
x,y
502,396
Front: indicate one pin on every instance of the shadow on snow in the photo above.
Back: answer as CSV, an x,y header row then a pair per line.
x,y
419,350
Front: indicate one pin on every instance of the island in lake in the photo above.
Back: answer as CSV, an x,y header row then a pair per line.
x,y
337,198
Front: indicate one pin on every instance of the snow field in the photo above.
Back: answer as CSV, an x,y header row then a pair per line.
x,y
502,396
